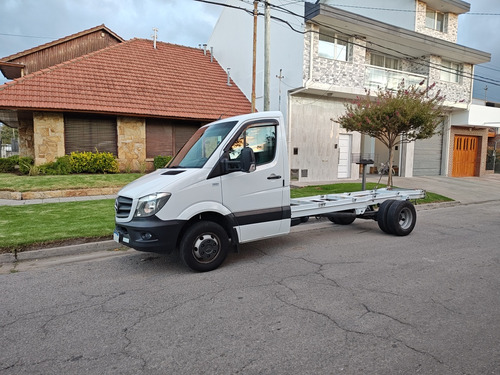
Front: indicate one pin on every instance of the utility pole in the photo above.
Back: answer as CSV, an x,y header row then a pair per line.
x,y
280,77
267,64
254,62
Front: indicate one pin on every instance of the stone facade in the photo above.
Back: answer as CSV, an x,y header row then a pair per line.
x,y
333,72
454,92
48,129
42,138
450,34
131,133
26,137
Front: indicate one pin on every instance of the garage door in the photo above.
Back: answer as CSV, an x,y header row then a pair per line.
x,y
427,157
465,156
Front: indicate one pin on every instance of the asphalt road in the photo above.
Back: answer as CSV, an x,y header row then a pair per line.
x,y
325,299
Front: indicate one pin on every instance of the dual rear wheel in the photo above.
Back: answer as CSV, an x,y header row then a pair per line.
x,y
397,217
393,217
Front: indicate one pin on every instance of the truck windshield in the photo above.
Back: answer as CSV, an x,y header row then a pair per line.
x,y
199,148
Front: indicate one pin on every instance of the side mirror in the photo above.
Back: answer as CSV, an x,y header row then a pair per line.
x,y
247,160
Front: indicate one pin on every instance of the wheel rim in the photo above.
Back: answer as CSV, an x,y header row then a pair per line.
x,y
405,218
206,248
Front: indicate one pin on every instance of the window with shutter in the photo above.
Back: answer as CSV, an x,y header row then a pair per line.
x,y
166,137
90,133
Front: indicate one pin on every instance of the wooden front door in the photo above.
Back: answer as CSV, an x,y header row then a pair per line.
x,y
465,156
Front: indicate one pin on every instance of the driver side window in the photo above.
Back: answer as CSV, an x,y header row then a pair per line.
x,y
261,139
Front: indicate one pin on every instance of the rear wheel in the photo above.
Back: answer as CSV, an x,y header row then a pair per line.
x,y
382,215
204,246
401,218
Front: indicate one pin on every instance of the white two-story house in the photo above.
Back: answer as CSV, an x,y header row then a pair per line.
x,y
323,56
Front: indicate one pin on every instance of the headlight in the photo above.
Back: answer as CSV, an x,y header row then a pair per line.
x,y
151,204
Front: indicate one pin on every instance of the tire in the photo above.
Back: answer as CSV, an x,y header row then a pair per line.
x,y
401,218
382,215
341,219
204,246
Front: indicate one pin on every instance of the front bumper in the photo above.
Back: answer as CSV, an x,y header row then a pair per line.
x,y
149,234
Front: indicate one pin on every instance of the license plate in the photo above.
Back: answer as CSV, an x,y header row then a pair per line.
x,y
117,237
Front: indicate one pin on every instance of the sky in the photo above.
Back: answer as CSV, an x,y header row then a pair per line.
x,y
28,23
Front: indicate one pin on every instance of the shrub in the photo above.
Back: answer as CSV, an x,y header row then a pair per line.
x,y
61,166
9,164
161,161
90,162
25,164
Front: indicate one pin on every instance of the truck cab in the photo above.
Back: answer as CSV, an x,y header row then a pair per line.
x,y
228,185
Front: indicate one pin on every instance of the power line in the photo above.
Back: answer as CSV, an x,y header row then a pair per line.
x,y
26,36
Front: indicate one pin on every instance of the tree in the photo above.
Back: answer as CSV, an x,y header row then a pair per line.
x,y
7,133
410,113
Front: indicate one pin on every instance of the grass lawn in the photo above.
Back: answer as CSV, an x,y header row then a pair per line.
x,y
38,225
13,182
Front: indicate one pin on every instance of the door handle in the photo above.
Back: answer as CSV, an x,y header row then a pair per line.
x,y
274,177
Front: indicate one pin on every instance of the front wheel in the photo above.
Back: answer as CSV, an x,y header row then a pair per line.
x,y
204,246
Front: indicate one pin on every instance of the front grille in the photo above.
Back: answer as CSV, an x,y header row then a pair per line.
x,y
123,206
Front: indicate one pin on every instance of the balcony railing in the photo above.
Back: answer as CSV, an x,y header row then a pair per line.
x,y
383,78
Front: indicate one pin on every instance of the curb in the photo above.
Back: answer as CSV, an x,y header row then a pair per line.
x,y
52,194
107,245
83,248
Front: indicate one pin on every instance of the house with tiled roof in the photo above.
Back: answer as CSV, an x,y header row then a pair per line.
x,y
136,99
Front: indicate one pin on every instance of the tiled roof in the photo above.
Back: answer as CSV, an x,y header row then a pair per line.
x,y
131,78
60,41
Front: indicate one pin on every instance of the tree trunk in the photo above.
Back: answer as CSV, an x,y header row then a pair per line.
x,y
391,161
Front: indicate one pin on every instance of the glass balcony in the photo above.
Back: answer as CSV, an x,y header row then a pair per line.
x,y
377,77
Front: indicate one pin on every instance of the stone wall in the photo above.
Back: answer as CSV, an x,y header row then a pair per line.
x,y
26,137
131,133
48,130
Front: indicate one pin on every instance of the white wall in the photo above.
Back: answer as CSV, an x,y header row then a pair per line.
x,y
315,135
232,40
478,115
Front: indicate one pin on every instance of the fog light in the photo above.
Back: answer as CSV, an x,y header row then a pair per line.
x,y
146,236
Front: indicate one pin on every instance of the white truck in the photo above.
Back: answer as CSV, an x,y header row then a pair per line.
x,y
230,185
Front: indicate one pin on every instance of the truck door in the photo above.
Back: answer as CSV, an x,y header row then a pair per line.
x,y
256,198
